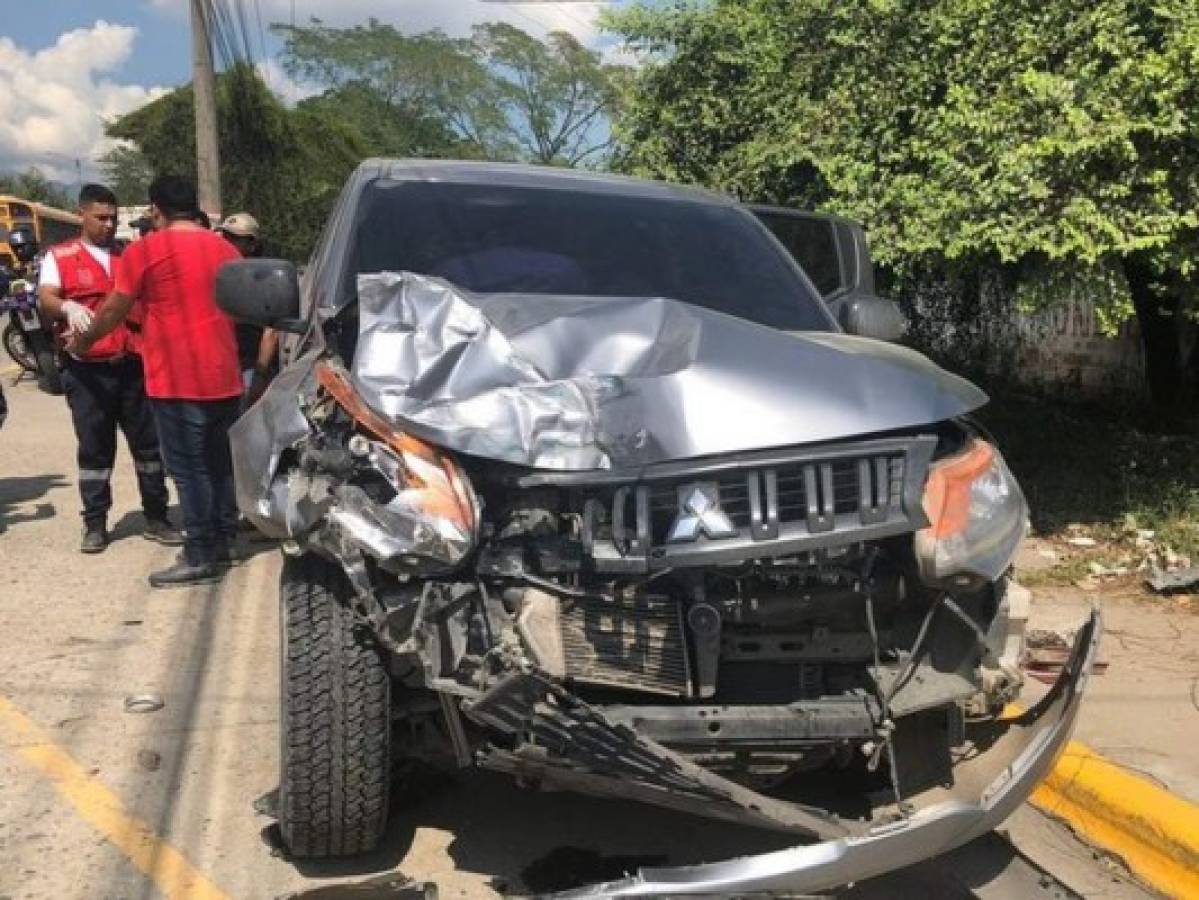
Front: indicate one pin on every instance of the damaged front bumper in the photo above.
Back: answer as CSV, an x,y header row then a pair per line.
x,y
986,790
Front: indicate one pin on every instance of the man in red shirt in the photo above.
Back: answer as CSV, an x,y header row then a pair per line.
x,y
192,375
104,387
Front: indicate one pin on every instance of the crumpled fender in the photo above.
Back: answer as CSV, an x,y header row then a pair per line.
x,y
987,790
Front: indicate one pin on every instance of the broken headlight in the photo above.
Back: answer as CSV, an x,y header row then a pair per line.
x,y
977,517
427,510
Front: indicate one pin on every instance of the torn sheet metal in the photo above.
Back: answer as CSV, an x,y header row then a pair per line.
x,y
260,438
987,790
560,382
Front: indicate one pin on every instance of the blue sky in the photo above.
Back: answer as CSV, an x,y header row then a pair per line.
x,y
67,65
163,51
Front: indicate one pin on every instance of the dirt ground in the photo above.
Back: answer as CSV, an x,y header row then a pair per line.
x,y
89,791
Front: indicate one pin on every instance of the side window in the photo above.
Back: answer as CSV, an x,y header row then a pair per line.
x,y
812,243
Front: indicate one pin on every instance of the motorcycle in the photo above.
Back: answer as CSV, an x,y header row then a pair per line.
x,y
25,338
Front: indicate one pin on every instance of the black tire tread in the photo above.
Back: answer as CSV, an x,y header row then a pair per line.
x,y
335,718
23,359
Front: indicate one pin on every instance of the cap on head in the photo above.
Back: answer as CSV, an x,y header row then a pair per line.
x,y
241,225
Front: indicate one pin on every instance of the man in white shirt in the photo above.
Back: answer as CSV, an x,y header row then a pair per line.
x,y
105,387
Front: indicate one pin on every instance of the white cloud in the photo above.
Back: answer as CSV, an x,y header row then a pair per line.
x,y
54,102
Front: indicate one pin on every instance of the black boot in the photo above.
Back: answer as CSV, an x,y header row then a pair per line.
x,y
182,573
95,537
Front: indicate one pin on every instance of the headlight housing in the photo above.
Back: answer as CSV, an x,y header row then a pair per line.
x,y
977,517
433,515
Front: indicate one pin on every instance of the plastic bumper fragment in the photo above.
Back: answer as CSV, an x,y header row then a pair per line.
x,y
986,790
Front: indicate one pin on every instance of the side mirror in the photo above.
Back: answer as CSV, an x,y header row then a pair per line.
x,y
263,292
870,316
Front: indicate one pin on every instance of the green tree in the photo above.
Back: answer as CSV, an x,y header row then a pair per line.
x,y
286,166
1055,142
385,130
32,184
128,173
501,93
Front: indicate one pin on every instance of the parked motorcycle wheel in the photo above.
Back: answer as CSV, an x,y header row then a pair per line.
x,y
18,348
49,376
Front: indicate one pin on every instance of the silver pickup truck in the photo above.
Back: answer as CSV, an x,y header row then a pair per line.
x,y
583,479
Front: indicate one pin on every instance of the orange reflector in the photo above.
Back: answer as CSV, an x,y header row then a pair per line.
x,y
947,494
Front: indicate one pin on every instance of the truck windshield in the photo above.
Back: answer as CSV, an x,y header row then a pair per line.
x,y
498,238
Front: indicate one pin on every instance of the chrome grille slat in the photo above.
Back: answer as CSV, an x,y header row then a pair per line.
x,y
811,499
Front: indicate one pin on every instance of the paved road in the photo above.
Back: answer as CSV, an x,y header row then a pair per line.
x,y
92,798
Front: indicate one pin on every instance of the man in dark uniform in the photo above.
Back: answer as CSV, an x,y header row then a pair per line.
x,y
104,386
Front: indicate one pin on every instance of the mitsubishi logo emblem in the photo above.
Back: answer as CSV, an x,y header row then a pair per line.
x,y
700,513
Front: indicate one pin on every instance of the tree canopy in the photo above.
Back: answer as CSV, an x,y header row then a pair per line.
x,y
128,172
32,184
1056,140
285,166
501,93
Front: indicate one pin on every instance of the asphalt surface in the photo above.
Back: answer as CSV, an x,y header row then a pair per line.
x,y
100,802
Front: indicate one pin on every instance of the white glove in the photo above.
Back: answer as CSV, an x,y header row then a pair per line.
x,y
79,317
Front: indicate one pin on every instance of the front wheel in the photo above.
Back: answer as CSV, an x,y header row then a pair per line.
x,y
336,717
16,345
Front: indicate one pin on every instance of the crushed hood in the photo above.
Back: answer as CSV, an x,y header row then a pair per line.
x,y
575,383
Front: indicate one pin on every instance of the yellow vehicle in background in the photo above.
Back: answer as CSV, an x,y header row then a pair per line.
x,y
27,229
50,226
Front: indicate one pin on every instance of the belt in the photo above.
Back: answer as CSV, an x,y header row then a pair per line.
x,y
107,361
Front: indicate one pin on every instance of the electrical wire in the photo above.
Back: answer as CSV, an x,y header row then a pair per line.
x,y
266,72
526,16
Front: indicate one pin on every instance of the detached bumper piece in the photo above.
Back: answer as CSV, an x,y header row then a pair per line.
x,y
1008,760
561,743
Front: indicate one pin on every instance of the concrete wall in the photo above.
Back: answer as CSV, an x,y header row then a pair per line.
x,y
978,327
1064,345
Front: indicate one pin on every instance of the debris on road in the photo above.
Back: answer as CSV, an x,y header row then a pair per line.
x,y
393,886
1168,582
1047,652
149,760
1082,542
144,703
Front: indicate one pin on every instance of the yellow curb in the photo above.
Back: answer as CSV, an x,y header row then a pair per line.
x,y
1155,832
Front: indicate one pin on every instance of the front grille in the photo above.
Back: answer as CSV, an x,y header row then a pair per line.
x,y
775,506
634,643
835,488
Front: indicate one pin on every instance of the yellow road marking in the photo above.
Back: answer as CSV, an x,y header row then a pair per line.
x,y
162,863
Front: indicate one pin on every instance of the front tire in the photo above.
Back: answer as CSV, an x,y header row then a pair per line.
x,y
336,718
16,345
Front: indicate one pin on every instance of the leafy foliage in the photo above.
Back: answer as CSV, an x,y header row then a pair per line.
x,y
127,171
285,166
501,94
1033,136
32,184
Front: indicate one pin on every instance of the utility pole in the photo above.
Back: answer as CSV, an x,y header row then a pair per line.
x,y
208,158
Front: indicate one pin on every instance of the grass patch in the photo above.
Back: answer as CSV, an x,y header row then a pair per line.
x,y
1090,464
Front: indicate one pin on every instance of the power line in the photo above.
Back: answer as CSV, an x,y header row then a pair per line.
x,y
513,4
262,42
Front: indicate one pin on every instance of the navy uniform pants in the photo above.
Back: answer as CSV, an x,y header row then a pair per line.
x,y
105,396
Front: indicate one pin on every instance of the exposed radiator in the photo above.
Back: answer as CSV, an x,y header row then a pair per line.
x,y
635,644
